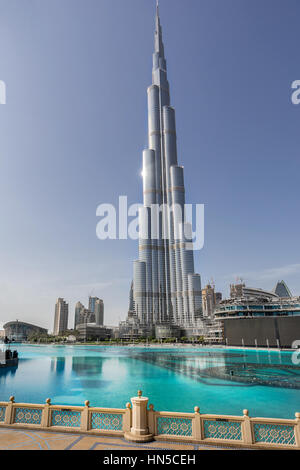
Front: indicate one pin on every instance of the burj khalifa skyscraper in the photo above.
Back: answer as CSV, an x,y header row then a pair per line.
x,y
165,287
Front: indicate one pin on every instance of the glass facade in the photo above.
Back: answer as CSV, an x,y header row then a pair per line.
x,y
247,309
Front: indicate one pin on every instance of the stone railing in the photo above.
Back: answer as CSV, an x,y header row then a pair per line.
x,y
140,423
110,421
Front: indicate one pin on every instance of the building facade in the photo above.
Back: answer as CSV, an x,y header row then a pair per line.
x,y
210,299
256,307
92,332
78,308
96,306
60,317
21,331
92,315
99,312
259,318
86,316
165,289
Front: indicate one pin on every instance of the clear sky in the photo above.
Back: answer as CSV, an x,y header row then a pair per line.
x,y
75,124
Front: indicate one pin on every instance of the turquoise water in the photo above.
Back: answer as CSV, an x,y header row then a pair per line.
x,y
174,379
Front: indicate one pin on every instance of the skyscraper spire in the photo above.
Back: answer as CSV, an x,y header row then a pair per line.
x,y
159,48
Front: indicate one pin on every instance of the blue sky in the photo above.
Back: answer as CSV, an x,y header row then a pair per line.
x,y
75,124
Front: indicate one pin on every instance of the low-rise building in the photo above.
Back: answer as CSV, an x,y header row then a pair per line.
x,y
165,331
259,318
93,332
2,333
20,331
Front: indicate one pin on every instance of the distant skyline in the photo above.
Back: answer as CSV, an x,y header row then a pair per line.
x,y
74,126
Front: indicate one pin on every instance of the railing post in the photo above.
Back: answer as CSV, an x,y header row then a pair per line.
x,y
46,414
247,429
139,431
151,419
297,430
9,412
127,418
197,431
84,422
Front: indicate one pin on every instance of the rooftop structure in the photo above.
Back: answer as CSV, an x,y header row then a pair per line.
x,y
242,291
282,290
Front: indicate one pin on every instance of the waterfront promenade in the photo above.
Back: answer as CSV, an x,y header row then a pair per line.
x,y
138,427
12,439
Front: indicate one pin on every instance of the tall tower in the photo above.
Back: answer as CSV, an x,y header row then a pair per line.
x,y
99,312
96,307
165,286
60,317
78,308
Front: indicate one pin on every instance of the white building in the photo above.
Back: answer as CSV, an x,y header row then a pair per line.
x,y
60,317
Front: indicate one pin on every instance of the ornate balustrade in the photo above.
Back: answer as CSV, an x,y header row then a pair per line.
x,y
66,418
139,423
2,412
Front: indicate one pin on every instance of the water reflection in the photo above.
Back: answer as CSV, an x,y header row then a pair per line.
x,y
89,371
85,365
249,370
58,365
6,372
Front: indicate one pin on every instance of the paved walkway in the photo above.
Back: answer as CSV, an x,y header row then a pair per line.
x,y
12,439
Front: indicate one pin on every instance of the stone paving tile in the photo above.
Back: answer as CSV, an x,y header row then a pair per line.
x,y
23,446
19,440
12,439
30,440
85,443
60,443
116,448
171,445
212,448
